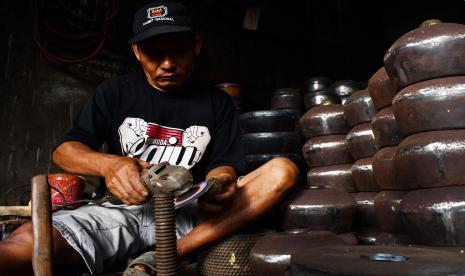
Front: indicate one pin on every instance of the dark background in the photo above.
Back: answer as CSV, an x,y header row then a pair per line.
x,y
294,41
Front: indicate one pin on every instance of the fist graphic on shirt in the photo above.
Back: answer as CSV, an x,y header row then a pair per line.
x,y
132,136
196,136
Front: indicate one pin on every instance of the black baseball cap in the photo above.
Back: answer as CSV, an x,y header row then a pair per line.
x,y
161,18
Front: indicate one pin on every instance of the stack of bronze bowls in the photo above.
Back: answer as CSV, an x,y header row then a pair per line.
x,y
320,91
343,89
326,150
287,98
320,213
427,67
387,135
325,203
422,175
315,91
359,111
267,134
311,217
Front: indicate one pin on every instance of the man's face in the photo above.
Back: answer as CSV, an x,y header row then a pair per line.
x,y
168,60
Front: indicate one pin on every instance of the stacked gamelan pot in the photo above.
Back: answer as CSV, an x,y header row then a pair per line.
x,y
320,213
359,110
267,134
343,89
286,98
427,67
320,91
387,135
315,91
324,204
423,176
326,150
324,126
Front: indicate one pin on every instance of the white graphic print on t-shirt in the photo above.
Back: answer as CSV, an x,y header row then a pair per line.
x,y
155,143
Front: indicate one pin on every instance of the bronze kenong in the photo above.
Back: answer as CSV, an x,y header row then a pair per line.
x,y
286,98
315,84
269,121
386,128
319,208
381,89
383,169
428,52
320,97
435,216
324,120
326,151
336,176
431,105
361,141
387,211
362,174
359,108
365,215
431,159
343,89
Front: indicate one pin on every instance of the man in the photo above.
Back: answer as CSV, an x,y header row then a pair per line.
x,y
149,117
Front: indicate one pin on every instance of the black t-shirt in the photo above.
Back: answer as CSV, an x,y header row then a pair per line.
x,y
196,128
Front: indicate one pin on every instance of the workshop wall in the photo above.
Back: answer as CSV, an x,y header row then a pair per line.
x,y
294,40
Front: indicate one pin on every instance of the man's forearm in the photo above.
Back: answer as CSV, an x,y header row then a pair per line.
x,y
75,157
122,174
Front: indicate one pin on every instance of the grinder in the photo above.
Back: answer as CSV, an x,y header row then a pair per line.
x,y
184,191
164,183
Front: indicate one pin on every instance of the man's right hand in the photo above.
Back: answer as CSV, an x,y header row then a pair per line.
x,y
122,178
122,174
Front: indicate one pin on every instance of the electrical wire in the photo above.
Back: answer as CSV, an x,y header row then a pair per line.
x,y
48,37
10,190
104,20
79,201
60,192
60,59
68,36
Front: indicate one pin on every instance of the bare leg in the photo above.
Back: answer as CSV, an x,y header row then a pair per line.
x,y
258,192
16,251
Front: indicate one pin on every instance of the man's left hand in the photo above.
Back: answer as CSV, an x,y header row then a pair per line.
x,y
226,176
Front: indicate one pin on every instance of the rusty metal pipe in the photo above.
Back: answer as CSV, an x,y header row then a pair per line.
x,y
41,226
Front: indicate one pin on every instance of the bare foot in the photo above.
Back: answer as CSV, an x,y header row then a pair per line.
x,y
143,268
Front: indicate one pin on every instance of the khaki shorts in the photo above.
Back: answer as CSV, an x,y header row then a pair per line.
x,y
109,234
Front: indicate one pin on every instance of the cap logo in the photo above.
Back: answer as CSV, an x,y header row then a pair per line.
x,y
155,12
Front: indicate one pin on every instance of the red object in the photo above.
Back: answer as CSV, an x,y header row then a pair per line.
x,y
66,188
161,132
